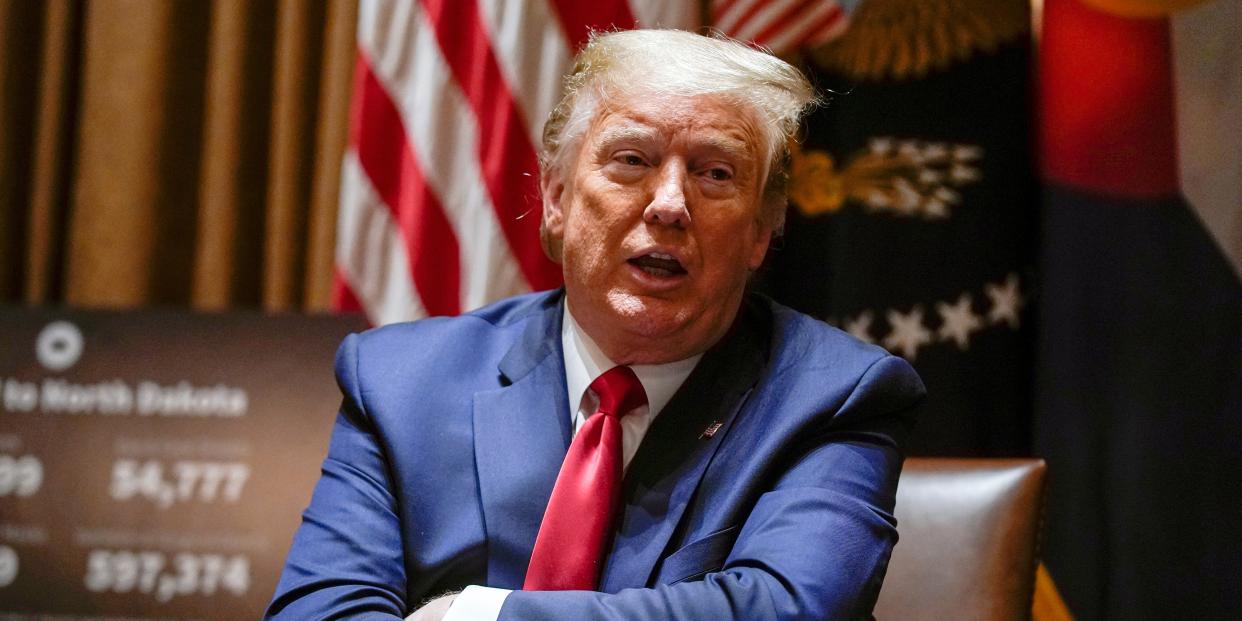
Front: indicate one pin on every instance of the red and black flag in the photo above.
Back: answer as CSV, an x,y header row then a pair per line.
x,y
1139,392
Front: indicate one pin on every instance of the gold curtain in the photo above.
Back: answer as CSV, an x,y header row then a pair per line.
x,y
172,153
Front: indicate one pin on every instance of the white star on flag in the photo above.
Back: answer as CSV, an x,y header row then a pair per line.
x,y
908,332
959,320
860,327
1006,301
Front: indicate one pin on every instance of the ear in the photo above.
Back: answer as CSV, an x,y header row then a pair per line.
x,y
552,189
552,224
759,249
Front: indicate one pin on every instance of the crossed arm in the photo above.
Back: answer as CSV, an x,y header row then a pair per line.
x,y
814,546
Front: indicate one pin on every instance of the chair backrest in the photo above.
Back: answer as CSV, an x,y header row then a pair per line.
x,y
969,533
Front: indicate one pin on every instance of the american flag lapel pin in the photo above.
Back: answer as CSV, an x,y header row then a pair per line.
x,y
711,430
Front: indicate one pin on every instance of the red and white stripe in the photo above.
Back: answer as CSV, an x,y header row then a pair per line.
x,y
780,25
440,201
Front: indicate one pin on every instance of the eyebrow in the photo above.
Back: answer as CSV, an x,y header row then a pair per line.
x,y
735,148
725,144
629,133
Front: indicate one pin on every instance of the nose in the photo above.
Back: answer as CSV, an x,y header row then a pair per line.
x,y
668,202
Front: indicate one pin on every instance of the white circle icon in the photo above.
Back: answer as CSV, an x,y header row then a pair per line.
x,y
59,345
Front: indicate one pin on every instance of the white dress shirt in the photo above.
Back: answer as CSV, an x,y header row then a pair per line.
x,y
583,363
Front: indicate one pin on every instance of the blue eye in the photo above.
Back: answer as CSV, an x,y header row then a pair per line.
x,y
630,159
719,174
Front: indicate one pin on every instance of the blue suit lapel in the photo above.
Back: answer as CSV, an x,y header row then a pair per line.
x,y
674,454
521,433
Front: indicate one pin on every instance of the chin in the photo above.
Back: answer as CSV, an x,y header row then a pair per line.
x,y
646,316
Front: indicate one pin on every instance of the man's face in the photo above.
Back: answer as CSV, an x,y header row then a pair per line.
x,y
659,219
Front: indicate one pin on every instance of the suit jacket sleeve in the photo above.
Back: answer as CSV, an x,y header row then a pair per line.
x,y
346,557
816,544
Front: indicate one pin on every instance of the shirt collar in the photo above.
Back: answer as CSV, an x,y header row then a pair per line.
x,y
584,361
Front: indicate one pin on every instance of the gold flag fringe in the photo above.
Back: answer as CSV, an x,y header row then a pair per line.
x,y
905,39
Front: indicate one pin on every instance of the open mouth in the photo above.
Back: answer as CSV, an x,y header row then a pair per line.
x,y
658,264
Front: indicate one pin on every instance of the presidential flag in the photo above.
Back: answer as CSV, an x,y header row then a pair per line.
x,y
912,209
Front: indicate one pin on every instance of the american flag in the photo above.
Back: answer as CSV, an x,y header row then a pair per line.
x,y
780,25
440,207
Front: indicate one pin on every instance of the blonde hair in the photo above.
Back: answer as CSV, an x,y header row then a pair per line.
x,y
682,63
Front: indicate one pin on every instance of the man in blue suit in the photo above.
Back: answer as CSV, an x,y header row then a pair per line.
x,y
760,455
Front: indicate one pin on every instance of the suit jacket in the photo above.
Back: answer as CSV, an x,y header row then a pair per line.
x,y
452,431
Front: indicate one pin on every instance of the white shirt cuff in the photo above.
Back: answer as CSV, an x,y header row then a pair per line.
x,y
477,603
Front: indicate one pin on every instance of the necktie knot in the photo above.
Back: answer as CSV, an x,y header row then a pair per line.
x,y
619,391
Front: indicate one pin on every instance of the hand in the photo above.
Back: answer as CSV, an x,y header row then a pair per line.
x,y
433,610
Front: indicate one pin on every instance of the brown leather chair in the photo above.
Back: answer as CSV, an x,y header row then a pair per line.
x,y
969,540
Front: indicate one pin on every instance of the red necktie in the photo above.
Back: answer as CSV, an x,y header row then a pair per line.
x,y
578,521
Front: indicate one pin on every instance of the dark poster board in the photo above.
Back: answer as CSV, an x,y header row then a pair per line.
x,y
154,465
